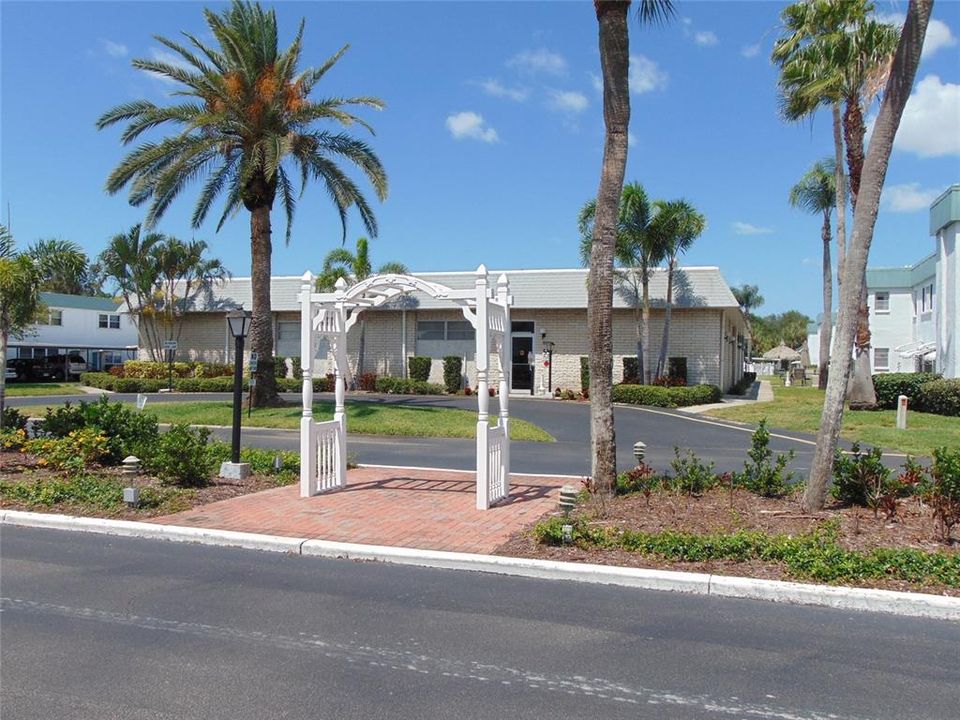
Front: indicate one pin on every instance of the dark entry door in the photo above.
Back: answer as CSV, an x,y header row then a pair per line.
x,y
522,363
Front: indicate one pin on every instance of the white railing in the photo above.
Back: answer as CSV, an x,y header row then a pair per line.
x,y
498,479
326,466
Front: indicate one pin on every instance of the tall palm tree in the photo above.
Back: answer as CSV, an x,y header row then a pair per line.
x,y
19,299
354,267
815,193
636,254
614,44
749,299
896,93
247,126
837,51
678,224
64,267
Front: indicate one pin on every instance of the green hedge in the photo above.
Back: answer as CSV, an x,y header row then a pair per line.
x,y
106,381
668,397
418,368
403,386
890,386
584,375
939,396
452,372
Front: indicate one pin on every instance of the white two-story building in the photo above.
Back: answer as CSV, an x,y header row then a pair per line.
x,y
914,318
91,327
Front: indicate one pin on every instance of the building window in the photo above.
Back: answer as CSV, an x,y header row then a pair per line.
x,y
881,358
112,357
881,302
110,321
521,326
444,330
53,317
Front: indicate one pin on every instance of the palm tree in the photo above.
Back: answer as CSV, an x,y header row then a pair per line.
x,y
895,96
354,267
614,44
678,224
247,127
19,299
749,299
64,267
816,194
836,51
637,253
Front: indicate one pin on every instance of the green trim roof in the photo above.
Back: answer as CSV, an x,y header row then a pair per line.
x,y
79,302
945,209
907,276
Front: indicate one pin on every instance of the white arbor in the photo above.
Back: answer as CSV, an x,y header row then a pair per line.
x,y
329,316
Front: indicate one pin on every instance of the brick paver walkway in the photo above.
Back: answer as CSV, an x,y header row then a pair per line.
x,y
427,509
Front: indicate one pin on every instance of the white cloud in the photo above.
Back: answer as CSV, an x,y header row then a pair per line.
x,y
750,51
471,125
938,33
744,228
646,75
567,101
538,61
597,83
114,49
631,139
497,89
705,38
930,126
908,197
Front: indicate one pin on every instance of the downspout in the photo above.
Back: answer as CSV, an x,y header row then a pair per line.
x,y
403,343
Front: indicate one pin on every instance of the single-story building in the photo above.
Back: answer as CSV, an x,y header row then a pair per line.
x,y
92,327
707,344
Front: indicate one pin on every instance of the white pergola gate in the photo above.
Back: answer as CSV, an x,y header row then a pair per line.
x,y
329,316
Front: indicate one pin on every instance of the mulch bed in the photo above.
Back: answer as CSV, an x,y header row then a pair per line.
x,y
719,512
22,467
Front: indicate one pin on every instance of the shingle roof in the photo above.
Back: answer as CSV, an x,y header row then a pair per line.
x,y
531,289
79,302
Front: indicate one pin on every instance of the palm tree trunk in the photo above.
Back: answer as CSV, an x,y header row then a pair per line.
x,y
665,341
643,350
895,98
826,327
614,61
264,393
840,182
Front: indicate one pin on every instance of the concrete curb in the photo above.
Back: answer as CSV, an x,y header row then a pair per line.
x,y
843,598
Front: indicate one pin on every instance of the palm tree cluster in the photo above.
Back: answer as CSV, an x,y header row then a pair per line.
x,y
245,124
64,267
648,233
159,278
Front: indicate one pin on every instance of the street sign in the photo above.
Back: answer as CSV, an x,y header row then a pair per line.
x,y
169,344
254,362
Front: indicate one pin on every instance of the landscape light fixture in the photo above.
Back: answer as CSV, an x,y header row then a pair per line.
x,y
239,324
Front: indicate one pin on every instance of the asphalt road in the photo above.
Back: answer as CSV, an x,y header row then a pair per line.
x,y
101,627
722,442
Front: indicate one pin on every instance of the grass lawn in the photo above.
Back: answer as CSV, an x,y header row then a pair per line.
x,y
798,408
362,418
28,389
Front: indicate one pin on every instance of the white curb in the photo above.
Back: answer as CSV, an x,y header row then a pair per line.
x,y
843,598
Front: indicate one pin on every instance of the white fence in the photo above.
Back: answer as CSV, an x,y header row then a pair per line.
x,y
327,442
497,472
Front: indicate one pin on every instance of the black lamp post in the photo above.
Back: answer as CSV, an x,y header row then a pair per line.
x,y
239,322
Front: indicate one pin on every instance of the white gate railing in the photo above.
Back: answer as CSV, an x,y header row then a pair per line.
x,y
327,469
498,472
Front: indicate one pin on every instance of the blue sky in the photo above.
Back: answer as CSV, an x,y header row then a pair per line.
x,y
492,135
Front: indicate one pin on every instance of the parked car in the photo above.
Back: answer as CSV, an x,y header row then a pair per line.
x,y
66,367
31,369
10,373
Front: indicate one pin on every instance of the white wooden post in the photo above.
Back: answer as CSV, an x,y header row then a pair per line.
x,y
483,392
506,368
308,450
340,362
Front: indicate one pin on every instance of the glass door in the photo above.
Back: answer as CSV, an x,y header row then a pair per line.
x,y
523,358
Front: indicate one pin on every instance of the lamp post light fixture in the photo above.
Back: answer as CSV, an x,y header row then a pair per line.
x,y
548,346
239,324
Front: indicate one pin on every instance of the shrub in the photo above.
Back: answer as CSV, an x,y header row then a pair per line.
x,y
297,368
584,375
73,453
452,373
12,439
261,460
100,380
691,475
179,456
760,476
631,371
403,386
61,421
116,370
222,384
13,419
890,386
154,370
209,370
940,396
666,396
418,368
279,367
367,381
669,381
860,478
641,479
945,495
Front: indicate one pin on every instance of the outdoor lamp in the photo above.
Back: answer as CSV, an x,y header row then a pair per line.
x,y
239,322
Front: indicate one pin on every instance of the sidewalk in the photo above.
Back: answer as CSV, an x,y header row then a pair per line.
x,y
406,507
761,391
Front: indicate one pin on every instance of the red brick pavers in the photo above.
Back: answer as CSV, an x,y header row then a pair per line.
x,y
427,509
